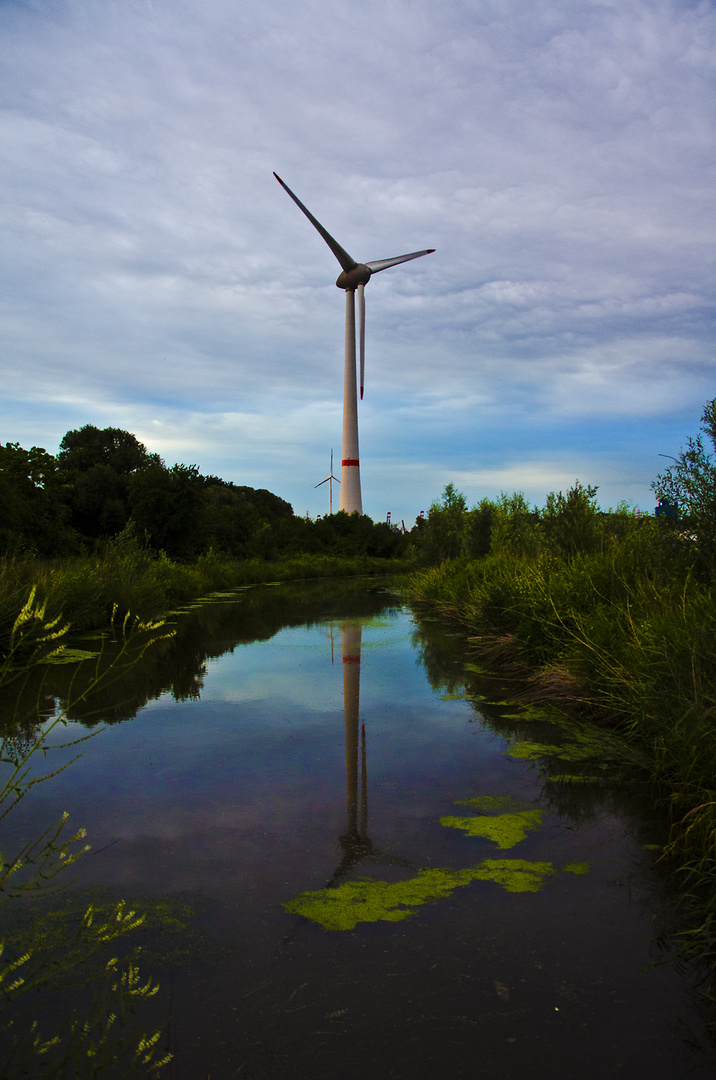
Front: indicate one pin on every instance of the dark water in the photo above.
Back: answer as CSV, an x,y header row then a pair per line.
x,y
299,739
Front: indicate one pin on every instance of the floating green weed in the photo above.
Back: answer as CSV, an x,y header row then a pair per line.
x,y
505,829
494,803
567,752
515,875
365,900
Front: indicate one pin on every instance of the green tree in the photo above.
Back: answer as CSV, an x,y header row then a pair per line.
x,y
570,521
690,486
165,504
479,527
85,447
515,529
241,521
34,499
99,464
443,535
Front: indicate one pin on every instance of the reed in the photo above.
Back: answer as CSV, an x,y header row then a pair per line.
x,y
126,577
624,636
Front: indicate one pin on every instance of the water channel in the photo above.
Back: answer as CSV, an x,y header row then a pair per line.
x,y
385,878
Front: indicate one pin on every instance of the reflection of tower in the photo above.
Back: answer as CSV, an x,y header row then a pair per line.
x,y
355,842
355,788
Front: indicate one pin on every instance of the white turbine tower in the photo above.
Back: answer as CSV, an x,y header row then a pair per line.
x,y
353,278
329,480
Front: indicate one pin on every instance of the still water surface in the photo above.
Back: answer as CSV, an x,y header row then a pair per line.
x,y
291,749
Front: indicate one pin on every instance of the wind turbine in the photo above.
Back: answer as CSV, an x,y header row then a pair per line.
x,y
329,480
353,278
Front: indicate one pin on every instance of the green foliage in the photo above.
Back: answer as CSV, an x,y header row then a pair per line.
x,y
604,615
516,529
89,446
40,966
443,534
479,526
34,498
105,484
690,486
165,506
97,465
569,522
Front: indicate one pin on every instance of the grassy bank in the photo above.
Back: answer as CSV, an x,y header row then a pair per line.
x,y
85,590
624,636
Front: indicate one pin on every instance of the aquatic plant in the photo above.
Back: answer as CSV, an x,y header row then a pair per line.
x,y
617,629
99,1035
125,576
505,830
343,906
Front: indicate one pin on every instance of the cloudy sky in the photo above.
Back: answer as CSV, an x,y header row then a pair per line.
x,y
155,277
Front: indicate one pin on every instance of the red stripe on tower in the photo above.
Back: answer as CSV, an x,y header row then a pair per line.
x,y
350,461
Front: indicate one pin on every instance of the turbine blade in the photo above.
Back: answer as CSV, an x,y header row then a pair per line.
x,y
361,333
323,482
343,257
383,264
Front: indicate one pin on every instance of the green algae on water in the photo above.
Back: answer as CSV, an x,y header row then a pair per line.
x,y
505,829
342,907
505,820
515,875
367,900
494,804
571,752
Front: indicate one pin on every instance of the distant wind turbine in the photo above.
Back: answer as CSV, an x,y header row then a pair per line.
x,y
329,480
353,278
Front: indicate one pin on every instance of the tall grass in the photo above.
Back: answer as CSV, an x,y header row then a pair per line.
x,y
125,576
625,636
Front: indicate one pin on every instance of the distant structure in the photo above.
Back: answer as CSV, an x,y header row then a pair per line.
x,y
329,480
666,509
353,278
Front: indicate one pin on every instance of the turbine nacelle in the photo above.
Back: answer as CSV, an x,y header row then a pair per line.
x,y
351,279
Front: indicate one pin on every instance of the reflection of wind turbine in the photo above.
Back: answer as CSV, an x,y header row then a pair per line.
x,y
329,480
356,843
350,646
353,278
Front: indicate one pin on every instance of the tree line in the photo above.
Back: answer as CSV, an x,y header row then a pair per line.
x,y
103,482
683,528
